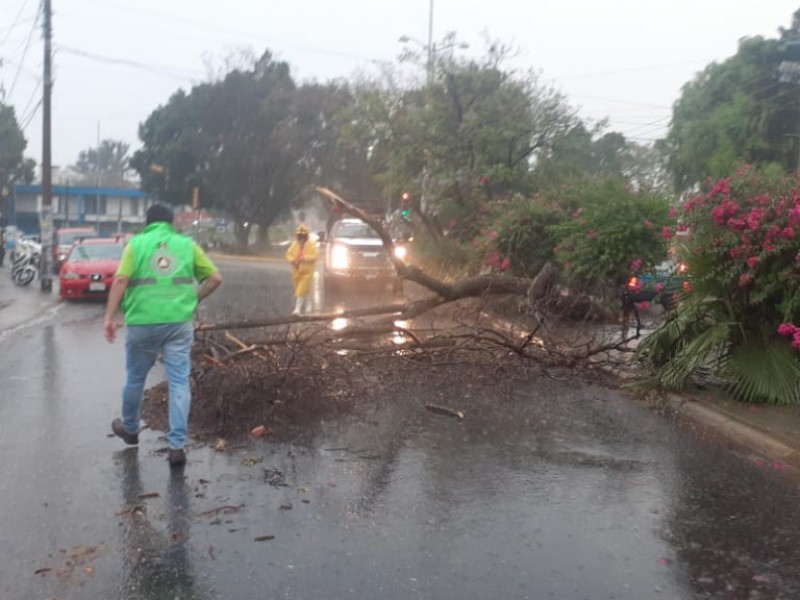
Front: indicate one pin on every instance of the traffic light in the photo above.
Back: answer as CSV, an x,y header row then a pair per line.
x,y
406,197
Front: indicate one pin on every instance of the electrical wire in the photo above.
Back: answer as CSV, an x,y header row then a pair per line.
x,y
30,99
10,29
215,27
25,51
160,70
27,122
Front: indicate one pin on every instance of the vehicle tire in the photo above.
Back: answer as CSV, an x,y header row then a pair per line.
x,y
24,277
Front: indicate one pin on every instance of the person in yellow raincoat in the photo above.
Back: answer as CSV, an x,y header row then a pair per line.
x,y
302,254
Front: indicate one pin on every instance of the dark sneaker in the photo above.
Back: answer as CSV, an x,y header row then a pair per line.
x,y
129,438
176,458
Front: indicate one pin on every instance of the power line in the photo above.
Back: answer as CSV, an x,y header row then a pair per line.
x,y
15,23
30,99
630,70
161,70
25,51
215,27
35,110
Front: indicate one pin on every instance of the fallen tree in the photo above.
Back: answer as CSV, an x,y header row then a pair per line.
x,y
285,370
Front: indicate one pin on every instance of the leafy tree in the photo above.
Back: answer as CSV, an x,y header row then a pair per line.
x,y
235,138
736,111
14,168
469,135
741,316
106,164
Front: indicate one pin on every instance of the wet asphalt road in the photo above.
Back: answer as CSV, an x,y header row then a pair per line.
x,y
566,491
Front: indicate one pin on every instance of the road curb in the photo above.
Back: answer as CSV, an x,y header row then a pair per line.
x,y
735,429
245,258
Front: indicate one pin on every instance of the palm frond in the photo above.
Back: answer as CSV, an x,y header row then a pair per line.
x,y
764,372
704,349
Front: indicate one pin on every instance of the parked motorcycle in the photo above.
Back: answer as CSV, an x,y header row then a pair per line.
x,y
25,262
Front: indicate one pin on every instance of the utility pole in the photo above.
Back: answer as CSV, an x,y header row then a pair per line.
x,y
46,222
431,48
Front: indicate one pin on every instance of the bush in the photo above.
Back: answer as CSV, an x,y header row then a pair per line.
x,y
744,257
610,231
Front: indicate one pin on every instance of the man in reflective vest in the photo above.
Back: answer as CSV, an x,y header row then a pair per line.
x,y
155,283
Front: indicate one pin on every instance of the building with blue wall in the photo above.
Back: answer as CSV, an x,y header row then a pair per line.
x,y
109,209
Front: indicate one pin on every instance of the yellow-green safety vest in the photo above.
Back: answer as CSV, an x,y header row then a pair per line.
x,y
162,285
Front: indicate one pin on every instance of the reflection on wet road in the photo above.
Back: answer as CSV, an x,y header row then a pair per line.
x,y
550,489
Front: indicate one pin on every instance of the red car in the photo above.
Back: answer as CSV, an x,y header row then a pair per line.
x,y
89,269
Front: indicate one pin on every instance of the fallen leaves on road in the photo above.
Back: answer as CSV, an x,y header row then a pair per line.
x,y
221,445
264,538
259,431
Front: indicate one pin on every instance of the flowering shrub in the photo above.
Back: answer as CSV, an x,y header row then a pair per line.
x,y
746,244
613,232
743,253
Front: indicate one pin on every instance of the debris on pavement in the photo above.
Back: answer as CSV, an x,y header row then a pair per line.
x,y
264,538
443,410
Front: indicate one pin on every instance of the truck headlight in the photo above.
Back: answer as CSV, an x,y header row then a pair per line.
x,y
400,252
340,257
71,275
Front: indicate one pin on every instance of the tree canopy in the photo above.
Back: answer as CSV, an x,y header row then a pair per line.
x,y
742,110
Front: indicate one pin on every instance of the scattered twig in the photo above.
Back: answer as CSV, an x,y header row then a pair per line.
x,y
225,509
443,410
264,538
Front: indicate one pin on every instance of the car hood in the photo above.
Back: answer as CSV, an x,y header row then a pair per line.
x,y
360,242
92,266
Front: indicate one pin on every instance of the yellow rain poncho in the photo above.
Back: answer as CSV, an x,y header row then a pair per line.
x,y
302,274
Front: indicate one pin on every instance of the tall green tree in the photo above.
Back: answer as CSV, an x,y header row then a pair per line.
x,y
14,167
234,139
739,110
107,164
471,132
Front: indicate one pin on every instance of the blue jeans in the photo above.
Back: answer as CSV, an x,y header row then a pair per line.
x,y
142,344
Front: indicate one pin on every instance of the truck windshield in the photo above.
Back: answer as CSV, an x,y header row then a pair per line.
x,y
355,230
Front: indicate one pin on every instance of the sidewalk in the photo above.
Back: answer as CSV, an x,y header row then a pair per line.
x,y
19,305
771,431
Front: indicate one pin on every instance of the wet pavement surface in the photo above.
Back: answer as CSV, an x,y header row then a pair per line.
x,y
558,489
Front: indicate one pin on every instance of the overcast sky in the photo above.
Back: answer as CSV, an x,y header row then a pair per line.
x,y
622,59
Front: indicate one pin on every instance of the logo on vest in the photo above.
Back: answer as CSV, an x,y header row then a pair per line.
x,y
164,263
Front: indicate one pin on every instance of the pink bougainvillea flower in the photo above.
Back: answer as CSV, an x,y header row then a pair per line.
x,y
788,233
505,264
745,279
636,264
577,213
673,212
786,329
644,305
647,223
659,287
666,233
753,261
735,252
796,340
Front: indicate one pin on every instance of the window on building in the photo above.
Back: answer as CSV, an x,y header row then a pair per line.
x,y
94,205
